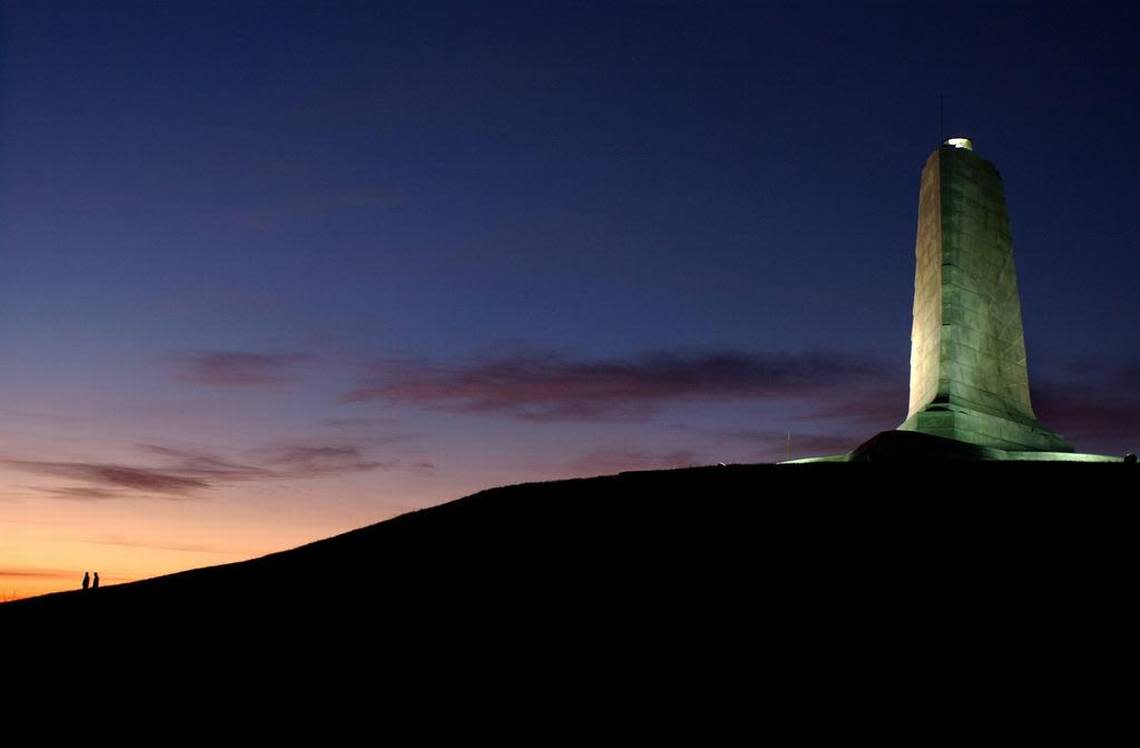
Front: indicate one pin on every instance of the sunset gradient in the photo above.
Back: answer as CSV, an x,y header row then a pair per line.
x,y
274,271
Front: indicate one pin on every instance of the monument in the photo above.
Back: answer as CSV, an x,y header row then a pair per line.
x,y
968,375
969,382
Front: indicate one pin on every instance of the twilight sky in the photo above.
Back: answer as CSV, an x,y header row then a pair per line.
x,y
276,270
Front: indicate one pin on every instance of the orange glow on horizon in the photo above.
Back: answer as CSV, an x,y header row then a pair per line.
x,y
48,542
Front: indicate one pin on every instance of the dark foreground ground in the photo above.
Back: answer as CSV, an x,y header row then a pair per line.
x,y
908,603
718,548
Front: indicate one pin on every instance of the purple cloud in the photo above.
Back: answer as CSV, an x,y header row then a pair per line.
x,y
360,423
550,387
874,407
81,493
316,461
1092,417
238,368
111,475
206,466
183,474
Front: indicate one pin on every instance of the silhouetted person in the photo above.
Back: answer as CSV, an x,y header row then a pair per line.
x,y
95,582
86,579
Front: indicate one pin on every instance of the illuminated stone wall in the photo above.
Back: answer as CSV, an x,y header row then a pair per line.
x,y
968,377
925,334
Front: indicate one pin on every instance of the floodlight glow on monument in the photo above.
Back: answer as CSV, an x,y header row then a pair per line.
x,y
968,375
969,380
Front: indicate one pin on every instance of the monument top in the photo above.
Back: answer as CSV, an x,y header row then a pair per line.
x,y
960,143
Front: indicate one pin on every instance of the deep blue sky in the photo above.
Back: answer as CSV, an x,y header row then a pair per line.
x,y
452,244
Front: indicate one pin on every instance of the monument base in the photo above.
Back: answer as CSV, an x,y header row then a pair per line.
x,y
916,447
963,424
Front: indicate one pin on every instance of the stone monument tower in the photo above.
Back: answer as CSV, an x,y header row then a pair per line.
x,y
968,376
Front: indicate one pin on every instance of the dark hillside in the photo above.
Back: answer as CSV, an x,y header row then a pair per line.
x,y
819,550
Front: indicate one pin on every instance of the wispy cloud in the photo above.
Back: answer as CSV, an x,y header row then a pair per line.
x,y
188,548
237,368
1091,416
184,474
550,387
206,466
81,493
372,430
112,475
36,573
359,422
875,406
315,461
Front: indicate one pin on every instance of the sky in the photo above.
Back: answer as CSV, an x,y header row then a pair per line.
x,y
273,271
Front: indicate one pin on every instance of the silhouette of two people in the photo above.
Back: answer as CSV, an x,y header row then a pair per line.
x,y
88,582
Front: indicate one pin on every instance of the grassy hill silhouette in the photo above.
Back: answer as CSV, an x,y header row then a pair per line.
x,y
713,554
